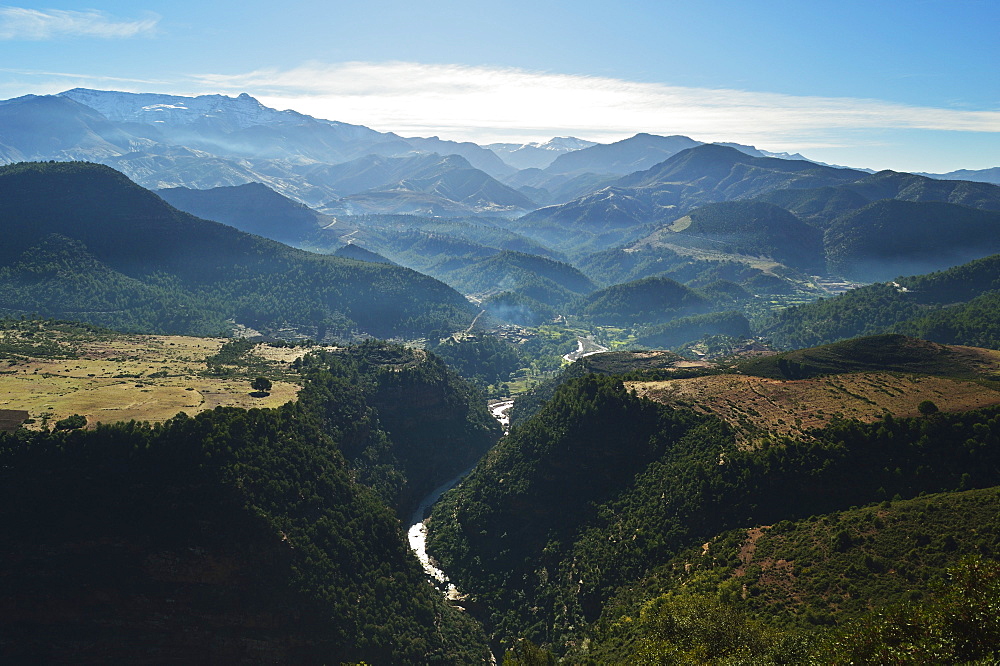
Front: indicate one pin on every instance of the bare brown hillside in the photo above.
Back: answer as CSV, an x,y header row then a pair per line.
x,y
754,406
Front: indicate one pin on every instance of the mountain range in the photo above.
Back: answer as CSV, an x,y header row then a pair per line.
x,y
991,175
647,206
168,141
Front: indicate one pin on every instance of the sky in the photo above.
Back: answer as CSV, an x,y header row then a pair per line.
x,y
910,86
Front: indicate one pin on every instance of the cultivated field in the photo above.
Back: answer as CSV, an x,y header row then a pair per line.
x,y
754,406
111,377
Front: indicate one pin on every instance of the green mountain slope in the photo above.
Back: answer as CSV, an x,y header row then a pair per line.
x,y
650,258
359,253
435,423
754,229
972,323
783,206
712,173
599,488
253,208
839,567
820,206
545,280
649,301
637,365
60,278
432,245
694,327
223,273
593,222
890,238
617,265
954,306
898,577
638,202
912,187
890,353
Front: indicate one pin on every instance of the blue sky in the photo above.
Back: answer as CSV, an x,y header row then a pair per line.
x,y
881,84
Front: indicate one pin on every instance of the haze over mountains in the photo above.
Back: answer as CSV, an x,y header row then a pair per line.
x,y
641,207
168,141
209,141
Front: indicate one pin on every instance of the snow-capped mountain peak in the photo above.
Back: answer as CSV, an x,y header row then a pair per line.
x,y
564,144
535,154
153,108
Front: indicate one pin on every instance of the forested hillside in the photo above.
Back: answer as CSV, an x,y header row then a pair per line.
x,y
233,536
753,229
150,267
860,586
890,238
544,280
953,306
599,488
648,301
253,208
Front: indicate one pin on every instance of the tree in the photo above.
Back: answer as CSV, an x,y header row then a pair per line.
x,y
927,408
261,385
526,653
71,422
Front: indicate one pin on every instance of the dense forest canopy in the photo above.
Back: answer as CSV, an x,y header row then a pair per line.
x,y
275,526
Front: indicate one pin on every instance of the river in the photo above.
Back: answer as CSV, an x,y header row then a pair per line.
x,y
500,411
584,347
416,535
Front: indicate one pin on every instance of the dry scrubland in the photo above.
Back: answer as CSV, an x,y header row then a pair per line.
x,y
755,405
141,377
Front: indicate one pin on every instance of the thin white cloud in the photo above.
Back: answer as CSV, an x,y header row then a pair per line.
x,y
16,82
19,23
490,103
90,79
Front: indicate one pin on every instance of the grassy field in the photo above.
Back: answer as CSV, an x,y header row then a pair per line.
x,y
53,373
755,406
